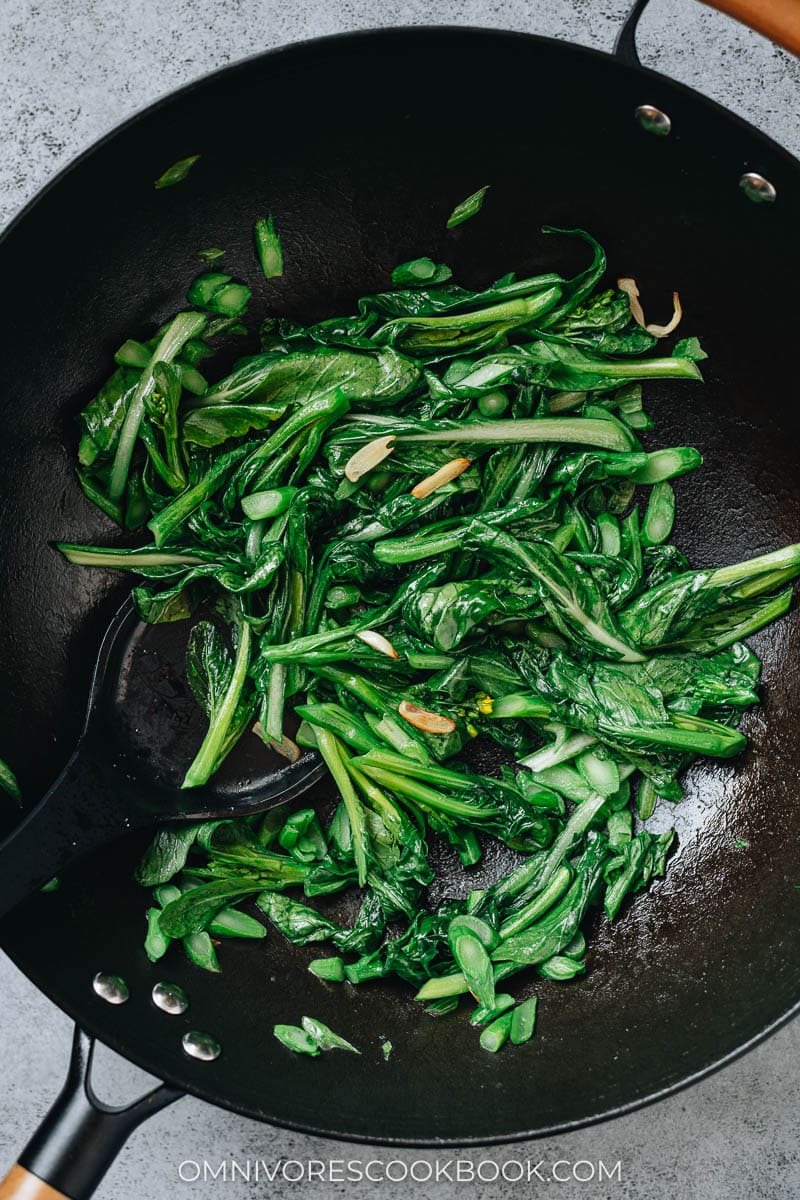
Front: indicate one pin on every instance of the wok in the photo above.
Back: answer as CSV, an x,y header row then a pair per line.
x,y
362,144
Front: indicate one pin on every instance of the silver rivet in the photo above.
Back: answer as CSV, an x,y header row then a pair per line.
x,y
757,188
170,998
201,1045
653,120
110,988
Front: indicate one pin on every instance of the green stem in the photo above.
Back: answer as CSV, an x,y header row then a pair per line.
x,y
786,560
541,902
403,785
576,826
205,761
339,722
131,560
336,761
180,329
518,705
275,699
163,525
581,431
515,311
456,985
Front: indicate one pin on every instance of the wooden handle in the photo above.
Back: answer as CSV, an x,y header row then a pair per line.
x,y
778,20
20,1184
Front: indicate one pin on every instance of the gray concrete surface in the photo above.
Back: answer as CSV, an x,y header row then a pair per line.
x,y
72,69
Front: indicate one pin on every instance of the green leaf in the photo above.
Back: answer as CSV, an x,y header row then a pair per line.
x,y
197,908
298,922
166,854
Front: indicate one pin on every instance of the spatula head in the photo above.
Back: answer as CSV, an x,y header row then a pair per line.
x,y
145,722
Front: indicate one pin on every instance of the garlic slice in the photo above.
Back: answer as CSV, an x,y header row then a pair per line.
x,y
368,456
378,642
631,290
425,721
285,747
450,471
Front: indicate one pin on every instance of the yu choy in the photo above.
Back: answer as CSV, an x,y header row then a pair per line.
x,y
429,523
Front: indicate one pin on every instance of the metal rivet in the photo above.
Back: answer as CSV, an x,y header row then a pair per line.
x,y
110,988
201,1045
757,188
170,998
653,120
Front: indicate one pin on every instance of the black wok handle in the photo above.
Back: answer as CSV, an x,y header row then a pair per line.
x,y
83,809
779,20
80,1137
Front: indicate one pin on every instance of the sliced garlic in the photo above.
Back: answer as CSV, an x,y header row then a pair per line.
x,y
450,471
285,747
378,642
368,457
661,331
637,312
425,721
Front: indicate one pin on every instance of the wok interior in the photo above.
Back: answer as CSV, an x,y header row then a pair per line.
x,y
360,148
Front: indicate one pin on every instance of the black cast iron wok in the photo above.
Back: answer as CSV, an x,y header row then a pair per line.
x,y
362,144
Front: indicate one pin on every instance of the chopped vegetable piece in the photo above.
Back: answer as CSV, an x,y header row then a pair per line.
x,y
156,943
523,1021
325,1038
177,172
329,969
296,1039
8,782
494,1036
231,923
467,208
211,255
200,950
420,271
476,966
659,516
268,247
483,1016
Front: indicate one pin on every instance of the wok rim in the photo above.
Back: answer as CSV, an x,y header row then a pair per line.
x,y
198,1089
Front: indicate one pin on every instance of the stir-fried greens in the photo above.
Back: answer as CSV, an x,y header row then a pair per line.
x,y
417,528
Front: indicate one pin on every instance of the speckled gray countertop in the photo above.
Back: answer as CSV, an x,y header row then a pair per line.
x,y
73,69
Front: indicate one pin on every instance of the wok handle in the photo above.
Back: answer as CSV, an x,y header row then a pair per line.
x,y
20,1184
80,1137
779,20
776,19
